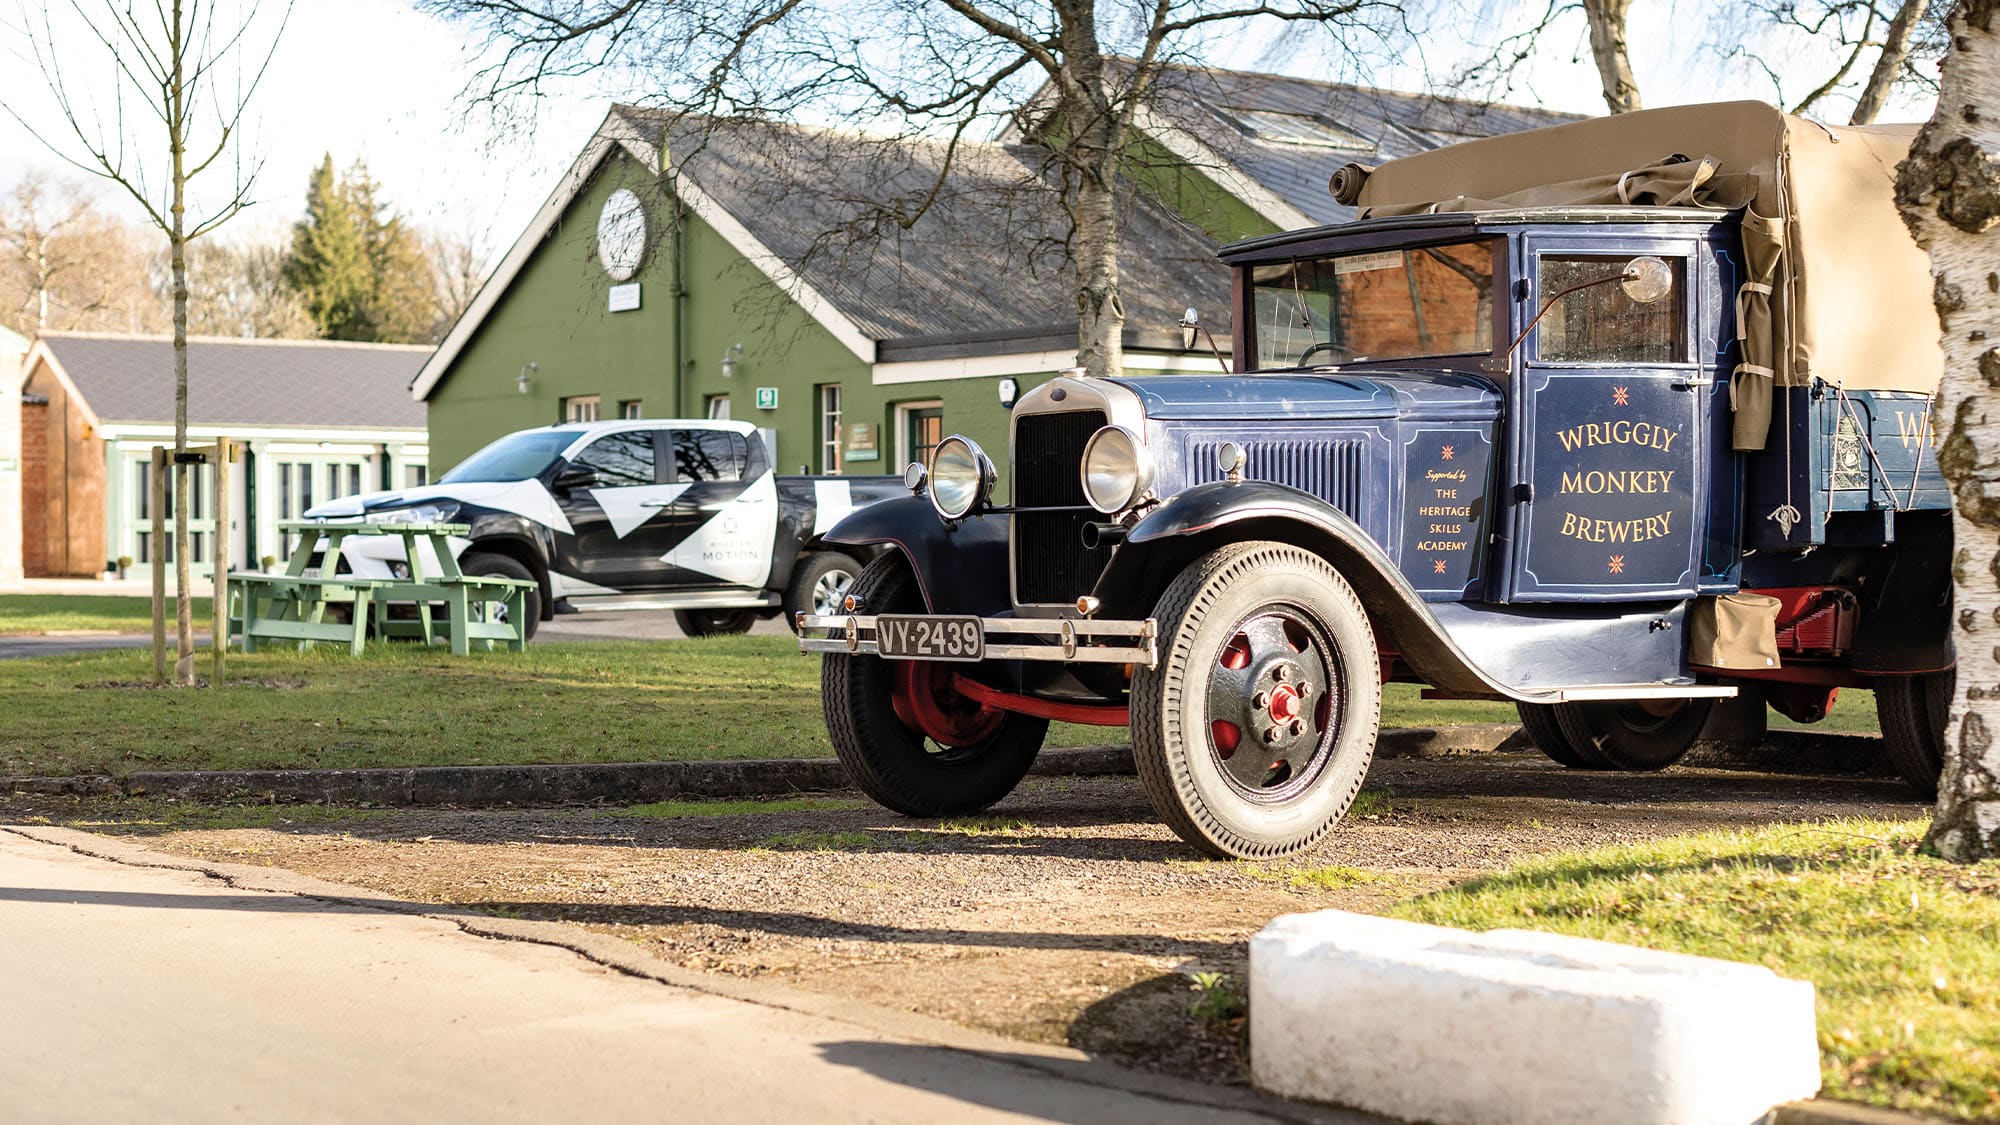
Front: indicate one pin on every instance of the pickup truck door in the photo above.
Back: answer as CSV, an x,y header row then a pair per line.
x,y
1609,445
724,523
619,526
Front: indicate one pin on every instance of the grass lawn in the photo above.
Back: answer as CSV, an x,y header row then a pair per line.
x,y
400,705
1904,949
59,613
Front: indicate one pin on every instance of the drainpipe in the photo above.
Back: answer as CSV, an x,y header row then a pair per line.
x,y
680,308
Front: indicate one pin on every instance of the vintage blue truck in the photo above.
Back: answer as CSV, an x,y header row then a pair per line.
x,y
1616,420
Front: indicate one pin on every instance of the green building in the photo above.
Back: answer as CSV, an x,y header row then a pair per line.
x,y
743,268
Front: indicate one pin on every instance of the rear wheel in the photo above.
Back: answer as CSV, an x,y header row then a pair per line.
x,y
905,736
1912,711
1628,735
819,585
714,622
1254,733
500,566
1545,731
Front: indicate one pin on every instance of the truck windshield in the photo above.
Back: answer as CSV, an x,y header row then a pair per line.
x,y
1384,304
514,457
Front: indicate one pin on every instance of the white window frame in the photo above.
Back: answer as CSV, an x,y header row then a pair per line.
x,y
631,409
903,412
580,408
831,452
716,408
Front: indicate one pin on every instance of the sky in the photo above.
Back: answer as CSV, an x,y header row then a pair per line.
x,y
378,81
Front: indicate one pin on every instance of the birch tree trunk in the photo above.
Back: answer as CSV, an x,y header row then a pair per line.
x,y
1949,191
1092,162
176,96
1888,64
1607,46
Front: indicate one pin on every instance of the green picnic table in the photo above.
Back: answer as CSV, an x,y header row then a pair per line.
x,y
292,606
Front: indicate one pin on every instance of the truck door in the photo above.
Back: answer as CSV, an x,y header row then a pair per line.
x,y
1608,445
618,520
725,521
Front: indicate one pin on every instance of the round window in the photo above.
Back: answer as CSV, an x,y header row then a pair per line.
x,y
621,234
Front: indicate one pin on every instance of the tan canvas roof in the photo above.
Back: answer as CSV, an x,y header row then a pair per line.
x,y
1835,287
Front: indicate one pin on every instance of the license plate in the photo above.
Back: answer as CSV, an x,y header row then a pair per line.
x,y
930,638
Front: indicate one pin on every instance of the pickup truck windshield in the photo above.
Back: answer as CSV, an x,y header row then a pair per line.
x,y
514,457
1383,304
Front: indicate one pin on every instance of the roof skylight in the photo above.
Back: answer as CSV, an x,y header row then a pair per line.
x,y
1274,127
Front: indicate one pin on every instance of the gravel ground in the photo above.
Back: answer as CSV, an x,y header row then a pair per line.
x,y
1065,914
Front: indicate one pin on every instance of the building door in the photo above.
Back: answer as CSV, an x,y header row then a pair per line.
x,y
920,431
1608,436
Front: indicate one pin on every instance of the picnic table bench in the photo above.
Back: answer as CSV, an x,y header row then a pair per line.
x,y
293,606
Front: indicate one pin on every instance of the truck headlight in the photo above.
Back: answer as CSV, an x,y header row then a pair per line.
x,y
961,478
1117,469
434,512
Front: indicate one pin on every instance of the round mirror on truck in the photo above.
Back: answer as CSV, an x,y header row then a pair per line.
x,y
1647,279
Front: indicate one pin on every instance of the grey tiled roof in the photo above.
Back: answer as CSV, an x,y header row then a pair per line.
x,y
988,260
1393,125
247,382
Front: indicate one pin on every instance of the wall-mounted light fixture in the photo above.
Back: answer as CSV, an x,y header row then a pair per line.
x,y
1009,390
730,359
521,380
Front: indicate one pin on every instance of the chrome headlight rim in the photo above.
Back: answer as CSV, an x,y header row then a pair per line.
x,y
960,483
1129,481
424,511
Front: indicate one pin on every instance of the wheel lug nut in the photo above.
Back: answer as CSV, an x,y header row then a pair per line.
x,y
1261,700
1298,726
1278,673
1274,734
1305,689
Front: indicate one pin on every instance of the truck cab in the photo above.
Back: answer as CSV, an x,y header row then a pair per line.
x,y
1500,451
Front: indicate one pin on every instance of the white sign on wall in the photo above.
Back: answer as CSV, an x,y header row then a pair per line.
x,y
625,298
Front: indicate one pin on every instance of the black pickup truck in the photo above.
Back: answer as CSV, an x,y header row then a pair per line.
x,y
680,514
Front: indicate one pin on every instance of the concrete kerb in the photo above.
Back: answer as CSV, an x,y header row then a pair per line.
x,y
641,782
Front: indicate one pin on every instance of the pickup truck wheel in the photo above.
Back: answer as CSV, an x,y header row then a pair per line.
x,y
904,736
714,622
1639,737
500,566
1912,711
1545,731
1254,733
819,584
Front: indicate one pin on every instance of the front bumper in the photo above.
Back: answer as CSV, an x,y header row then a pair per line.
x,y
1065,641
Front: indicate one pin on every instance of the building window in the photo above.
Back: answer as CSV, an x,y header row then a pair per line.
x,y
581,408
142,484
829,428
630,409
718,406
920,427
416,476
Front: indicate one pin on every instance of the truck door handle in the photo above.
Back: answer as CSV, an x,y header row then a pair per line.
x,y
656,503
1692,384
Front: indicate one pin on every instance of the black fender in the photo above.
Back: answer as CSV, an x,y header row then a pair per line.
x,y
1208,516
521,539
960,567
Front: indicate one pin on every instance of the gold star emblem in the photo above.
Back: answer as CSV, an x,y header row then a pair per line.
x,y
1445,453
1438,566
1621,396
1618,564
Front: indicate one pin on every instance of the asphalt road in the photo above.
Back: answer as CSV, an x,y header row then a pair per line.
x,y
149,994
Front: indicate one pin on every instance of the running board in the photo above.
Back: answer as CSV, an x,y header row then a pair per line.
x,y
718,599
1622,693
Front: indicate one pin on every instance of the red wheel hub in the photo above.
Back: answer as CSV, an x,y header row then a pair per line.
x,y
1284,704
923,698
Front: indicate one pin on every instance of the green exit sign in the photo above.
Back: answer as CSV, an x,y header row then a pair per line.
x,y
767,398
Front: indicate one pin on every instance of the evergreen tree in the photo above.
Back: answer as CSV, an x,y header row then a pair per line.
x,y
359,269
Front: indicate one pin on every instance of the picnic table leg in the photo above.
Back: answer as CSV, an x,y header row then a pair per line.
x,y
461,616
248,595
517,616
360,619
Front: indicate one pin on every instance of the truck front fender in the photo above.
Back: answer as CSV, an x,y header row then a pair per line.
x,y
960,568
1203,518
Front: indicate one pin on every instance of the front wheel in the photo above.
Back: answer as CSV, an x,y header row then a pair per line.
x,y
481,565
1912,711
819,585
1638,736
714,622
1255,731
904,735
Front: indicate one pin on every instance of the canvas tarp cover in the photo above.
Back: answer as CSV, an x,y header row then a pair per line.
x,y
1835,288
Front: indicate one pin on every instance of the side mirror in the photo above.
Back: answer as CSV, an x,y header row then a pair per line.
x,y
1647,279
1190,328
574,477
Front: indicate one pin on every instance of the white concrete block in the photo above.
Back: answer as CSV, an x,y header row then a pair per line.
x,y
1429,1023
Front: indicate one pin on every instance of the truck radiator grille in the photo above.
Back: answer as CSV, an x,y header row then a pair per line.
x,y
1051,566
1328,468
